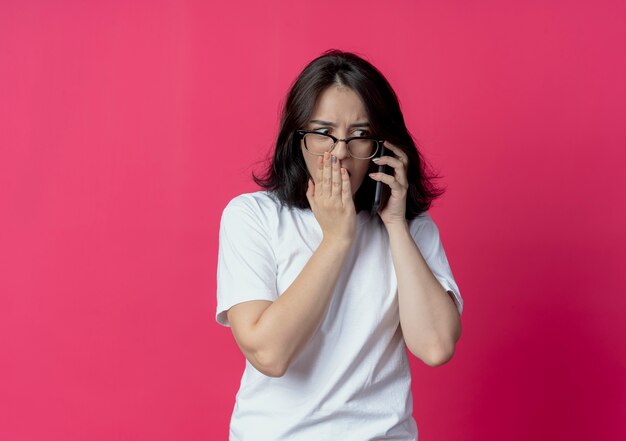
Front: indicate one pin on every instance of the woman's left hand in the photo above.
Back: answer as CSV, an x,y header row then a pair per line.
x,y
394,211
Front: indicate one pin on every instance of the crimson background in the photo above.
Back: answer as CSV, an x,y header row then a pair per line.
x,y
126,127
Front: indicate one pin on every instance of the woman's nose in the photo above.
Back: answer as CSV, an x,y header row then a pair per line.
x,y
341,150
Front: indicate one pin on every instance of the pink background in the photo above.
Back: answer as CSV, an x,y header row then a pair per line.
x,y
126,127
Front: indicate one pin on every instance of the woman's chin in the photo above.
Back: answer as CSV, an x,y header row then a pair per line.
x,y
354,186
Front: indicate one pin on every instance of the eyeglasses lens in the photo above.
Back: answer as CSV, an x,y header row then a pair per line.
x,y
319,143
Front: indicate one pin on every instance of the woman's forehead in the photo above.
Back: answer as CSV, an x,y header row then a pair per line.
x,y
339,105
362,123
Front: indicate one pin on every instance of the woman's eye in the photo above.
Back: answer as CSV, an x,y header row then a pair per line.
x,y
361,133
320,131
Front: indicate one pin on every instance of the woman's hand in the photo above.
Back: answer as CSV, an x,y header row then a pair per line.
x,y
395,210
330,198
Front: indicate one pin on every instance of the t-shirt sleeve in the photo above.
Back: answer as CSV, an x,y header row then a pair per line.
x,y
246,268
426,236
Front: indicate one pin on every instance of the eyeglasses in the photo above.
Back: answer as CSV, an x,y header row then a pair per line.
x,y
358,147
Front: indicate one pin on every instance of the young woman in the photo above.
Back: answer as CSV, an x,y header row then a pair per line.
x,y
322,295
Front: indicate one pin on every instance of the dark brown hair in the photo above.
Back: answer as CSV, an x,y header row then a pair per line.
x,y
286,175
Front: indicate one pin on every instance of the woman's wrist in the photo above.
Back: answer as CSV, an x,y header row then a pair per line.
x,y
397,228
336,244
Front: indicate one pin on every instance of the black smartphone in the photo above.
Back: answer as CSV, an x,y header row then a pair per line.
x,y
382,190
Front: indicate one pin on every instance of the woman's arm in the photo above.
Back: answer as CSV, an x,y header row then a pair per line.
x,y
270,334
429,318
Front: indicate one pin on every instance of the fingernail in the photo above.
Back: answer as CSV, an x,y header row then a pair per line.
x,y
376,159
334,159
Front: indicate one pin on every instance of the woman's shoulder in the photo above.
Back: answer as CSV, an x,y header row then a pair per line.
x,y
423,225
256,207
423,218
255,200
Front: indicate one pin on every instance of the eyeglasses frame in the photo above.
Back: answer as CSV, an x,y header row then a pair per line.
x,y
378,142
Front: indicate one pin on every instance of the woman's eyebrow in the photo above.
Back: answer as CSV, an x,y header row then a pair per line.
x,y
328,123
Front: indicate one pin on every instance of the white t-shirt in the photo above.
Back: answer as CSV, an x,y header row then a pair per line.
x,y
352,379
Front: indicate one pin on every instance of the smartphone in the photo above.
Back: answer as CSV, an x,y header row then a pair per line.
x,y
382,190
